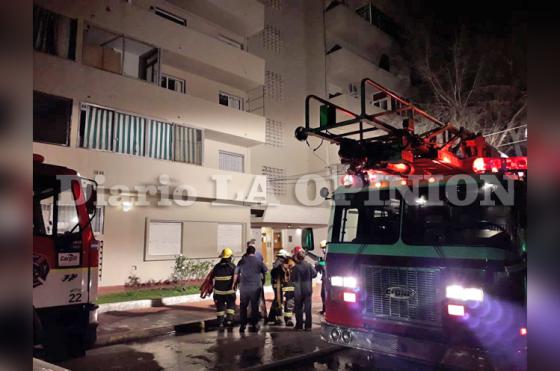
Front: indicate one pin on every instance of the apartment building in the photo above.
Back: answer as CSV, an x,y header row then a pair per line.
x,y
158,95
201,98
324,48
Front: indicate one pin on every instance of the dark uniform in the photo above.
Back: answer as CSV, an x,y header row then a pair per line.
x,y
320,267
275,314
250,286
302,276
224,295
288,291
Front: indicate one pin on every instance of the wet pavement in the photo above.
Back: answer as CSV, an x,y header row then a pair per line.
x,y
213,350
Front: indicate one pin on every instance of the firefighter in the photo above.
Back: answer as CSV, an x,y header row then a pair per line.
x,y
288,290
224,294
302,276
321,268
275,314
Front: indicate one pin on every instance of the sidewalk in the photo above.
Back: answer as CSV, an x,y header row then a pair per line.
x,y
137,324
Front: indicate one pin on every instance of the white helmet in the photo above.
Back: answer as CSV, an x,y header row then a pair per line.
x,y
283,253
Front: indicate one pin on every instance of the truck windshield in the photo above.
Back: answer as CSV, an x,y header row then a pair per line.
x,y
428,222
363,220
50,204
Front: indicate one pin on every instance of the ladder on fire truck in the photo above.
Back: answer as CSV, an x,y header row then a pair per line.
x,y
393,136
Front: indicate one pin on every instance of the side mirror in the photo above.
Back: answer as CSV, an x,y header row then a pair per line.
x,y
307,239
91,198
324,192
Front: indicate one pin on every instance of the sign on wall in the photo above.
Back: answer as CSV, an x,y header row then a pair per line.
x,y
230,235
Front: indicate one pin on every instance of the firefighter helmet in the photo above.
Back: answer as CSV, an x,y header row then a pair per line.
x,y
298,252
226,253
283,253
323,244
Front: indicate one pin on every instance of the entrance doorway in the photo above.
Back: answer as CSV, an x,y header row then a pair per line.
x,y
277,242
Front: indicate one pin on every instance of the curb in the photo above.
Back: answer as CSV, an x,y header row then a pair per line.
x,y
284,363
137,335
149,303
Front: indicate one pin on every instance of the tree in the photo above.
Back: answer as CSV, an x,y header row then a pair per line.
x,y
469,79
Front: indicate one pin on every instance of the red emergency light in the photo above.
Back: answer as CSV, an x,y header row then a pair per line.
x,y
495,165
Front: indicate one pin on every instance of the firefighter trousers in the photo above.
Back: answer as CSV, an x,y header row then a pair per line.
x,y
275,313
288,303
225,307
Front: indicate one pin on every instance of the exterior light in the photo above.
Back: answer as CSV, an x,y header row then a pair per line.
x,y
523,331
348,282
421,201
349,297
347,180
337,281
456,310
126,206
431,179
464,294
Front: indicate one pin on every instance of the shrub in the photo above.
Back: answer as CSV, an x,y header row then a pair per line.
x,y
185,269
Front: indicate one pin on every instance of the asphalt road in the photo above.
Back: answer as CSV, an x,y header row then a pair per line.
x,y
230,350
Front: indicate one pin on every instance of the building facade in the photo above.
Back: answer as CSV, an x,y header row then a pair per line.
x,y
184,112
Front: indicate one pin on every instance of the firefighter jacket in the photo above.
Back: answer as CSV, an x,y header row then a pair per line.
x,y
223,277
276,273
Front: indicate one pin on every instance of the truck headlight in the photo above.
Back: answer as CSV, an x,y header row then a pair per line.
x,y
464,293
348,282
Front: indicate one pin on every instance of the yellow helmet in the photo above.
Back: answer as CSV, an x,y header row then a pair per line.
x,y
226,253
323,244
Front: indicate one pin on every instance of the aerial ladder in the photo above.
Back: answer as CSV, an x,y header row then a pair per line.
x,y
396,137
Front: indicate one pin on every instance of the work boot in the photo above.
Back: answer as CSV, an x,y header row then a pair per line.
x,y
229,324
289,323
242,328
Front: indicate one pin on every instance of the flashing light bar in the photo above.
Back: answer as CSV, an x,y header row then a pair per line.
x,y
495,165
348,282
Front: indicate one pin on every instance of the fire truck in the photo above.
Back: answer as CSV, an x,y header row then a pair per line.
x,y
426,255
65,260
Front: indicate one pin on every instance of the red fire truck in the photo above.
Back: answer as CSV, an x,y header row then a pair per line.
x,y
413,270
65,260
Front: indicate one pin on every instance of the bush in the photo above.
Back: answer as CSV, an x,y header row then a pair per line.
x,y
186,269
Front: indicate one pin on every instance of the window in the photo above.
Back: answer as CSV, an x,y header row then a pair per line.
x,y
380,100
120,132
230,42
384,63
115,53
170,16
367,221
230,100
172,83
164,240
51,118
53,33
231,161
430,223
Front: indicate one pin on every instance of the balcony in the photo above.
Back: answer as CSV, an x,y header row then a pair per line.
x,y
244,17
351,31
131,171
200,53
345,67
88,84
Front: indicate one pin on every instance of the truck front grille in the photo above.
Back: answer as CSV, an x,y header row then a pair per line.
x,y
403,294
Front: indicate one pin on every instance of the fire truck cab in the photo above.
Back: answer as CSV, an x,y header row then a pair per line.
x,y
65,260
426,256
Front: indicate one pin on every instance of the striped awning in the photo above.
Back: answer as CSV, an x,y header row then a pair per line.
x,y
159,140
129,134
188,145
98,128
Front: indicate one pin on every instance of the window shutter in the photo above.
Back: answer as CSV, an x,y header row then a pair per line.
x,y
98,130
188,144
231,161
129,134
159,140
